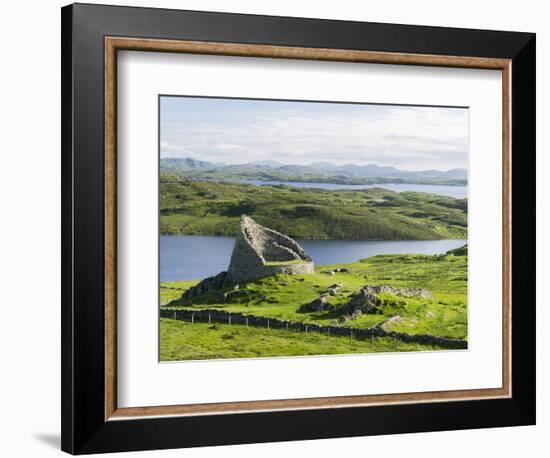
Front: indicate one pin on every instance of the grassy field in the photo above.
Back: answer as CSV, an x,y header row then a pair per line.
x,y
170,291
214,208
183,341
284,296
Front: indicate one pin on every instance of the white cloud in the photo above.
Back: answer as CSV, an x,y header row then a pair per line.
x,y
411,138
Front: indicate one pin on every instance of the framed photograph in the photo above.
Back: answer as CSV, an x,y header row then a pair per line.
x,y
284,228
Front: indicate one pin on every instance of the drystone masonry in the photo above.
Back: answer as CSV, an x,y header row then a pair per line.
x,y
262,252
221,316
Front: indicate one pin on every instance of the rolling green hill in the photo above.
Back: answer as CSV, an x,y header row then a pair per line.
x,y
285,297
214,208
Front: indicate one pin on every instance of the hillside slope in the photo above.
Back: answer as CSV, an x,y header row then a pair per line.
x,y
212,208
443,314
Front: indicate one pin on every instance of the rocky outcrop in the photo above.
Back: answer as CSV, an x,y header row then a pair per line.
x,y
335,271
320,304
334,289
262,252
386,324
367,298
216,283
365,301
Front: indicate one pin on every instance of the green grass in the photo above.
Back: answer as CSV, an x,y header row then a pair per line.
x,y
283,296
183,341
214,208
170,291
461,251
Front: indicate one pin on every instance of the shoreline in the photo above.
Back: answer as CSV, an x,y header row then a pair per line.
x,y
326,240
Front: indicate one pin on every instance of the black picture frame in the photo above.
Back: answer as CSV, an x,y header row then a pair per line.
x,y
84,428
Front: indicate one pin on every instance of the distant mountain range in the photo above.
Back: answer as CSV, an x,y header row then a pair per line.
x,y
318,171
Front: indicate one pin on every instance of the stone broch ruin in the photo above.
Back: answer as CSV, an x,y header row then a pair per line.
x,y
262,252
258,252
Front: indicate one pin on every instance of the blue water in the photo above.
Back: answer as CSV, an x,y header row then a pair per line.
x,y
192,257
458,192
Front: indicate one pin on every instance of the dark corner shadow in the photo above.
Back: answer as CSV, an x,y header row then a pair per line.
x,y
50,439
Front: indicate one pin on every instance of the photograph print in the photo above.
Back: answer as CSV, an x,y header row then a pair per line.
x,y
309,228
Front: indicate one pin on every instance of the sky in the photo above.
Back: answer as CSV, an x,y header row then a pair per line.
x,y
237,131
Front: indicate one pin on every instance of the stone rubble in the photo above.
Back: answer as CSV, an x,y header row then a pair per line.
x,y
367,299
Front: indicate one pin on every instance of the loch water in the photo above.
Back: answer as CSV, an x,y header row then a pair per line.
x,y
192,257
457,192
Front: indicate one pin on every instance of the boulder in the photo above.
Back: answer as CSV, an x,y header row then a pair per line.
x,y
366,300
320,304
335,271
333,289
386,325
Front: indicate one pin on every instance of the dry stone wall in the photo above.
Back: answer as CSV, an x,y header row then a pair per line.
x,y
221,316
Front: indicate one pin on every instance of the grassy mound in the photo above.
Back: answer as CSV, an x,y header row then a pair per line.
x,y
462,251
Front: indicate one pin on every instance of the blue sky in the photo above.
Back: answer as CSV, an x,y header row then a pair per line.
x,y
241,130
